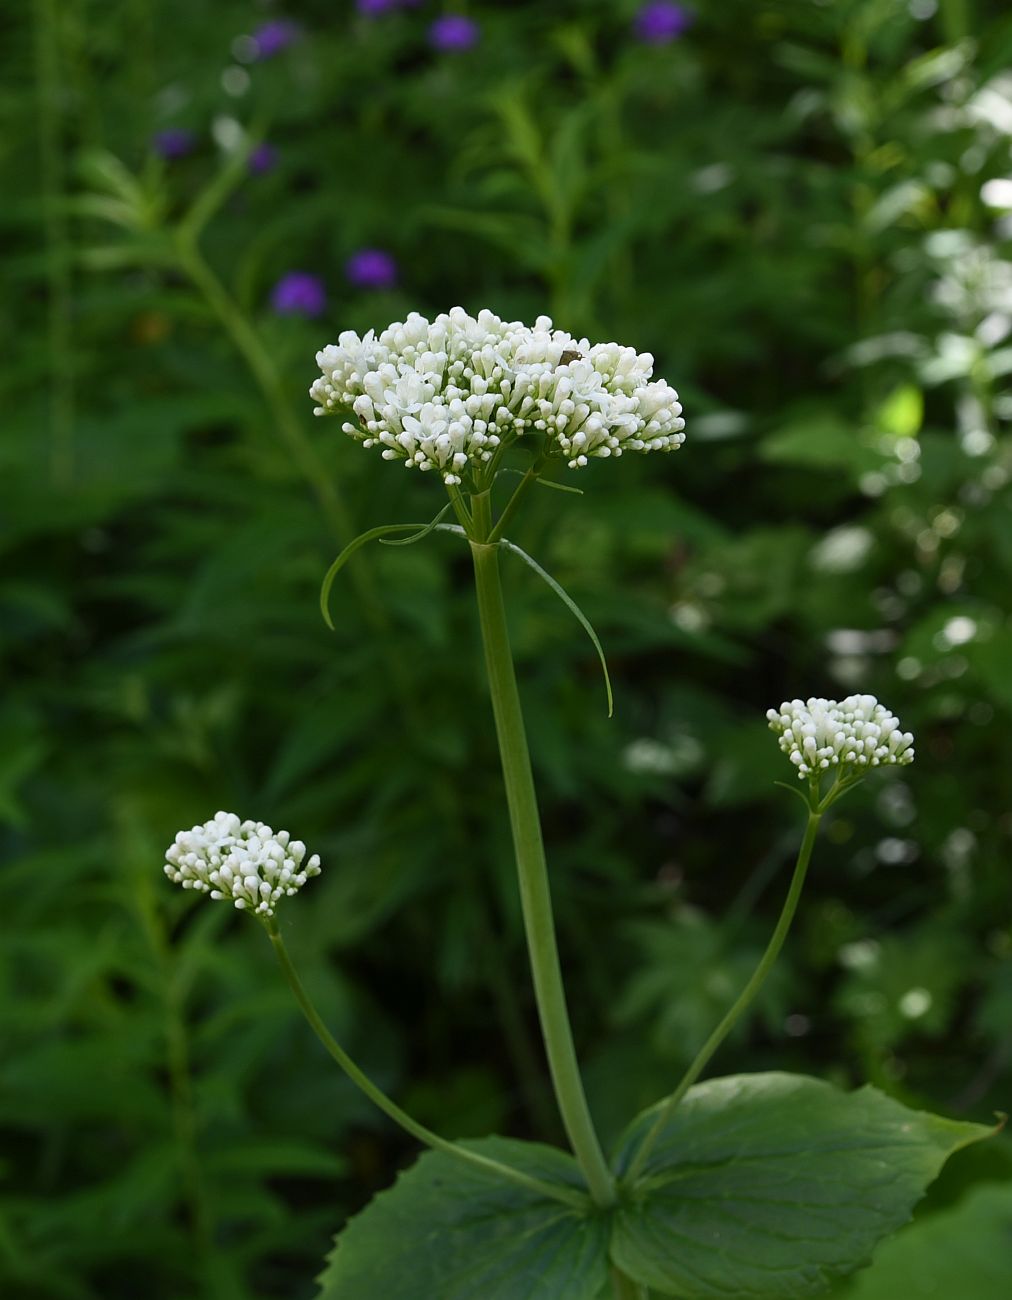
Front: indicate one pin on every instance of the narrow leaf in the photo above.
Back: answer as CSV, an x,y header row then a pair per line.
x,y
423,532
545,482
573,608
369,536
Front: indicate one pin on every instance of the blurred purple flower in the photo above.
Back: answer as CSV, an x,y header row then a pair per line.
x,y
373,8
661,22
173,142
453,33
371,268
262,159
299,293
274,36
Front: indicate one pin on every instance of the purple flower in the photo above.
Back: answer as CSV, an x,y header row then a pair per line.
x,y
661,22
299,293
371,268
173,142
274,36
373,8
453,33
262,159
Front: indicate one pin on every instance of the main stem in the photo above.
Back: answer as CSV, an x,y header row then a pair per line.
x,y
390,1108
535,896
744,998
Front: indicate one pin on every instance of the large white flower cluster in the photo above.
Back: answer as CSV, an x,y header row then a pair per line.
x,y
244,861
817,734
447,394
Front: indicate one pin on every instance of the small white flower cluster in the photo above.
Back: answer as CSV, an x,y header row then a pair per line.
x,y
244,861
817,734
447,394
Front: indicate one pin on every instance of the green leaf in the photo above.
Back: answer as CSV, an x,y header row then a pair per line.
x,y
422,532
369,536
964,1251
447,1230
573,608
902,413
774,1186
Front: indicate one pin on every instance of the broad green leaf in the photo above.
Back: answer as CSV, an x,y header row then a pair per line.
x,y
774,1186
450,1231
962,1252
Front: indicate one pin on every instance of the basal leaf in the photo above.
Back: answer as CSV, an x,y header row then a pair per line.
x,y
964,1251
447,1230
774,1186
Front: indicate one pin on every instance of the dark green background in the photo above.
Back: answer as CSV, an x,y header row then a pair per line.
x,y
785,207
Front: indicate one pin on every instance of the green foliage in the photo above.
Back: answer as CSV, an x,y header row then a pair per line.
x,y
763,1185
447,1229
962,1251
774,1184
792,207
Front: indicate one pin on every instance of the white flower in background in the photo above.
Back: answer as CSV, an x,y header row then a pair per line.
x,y
854,733
247,862
450,393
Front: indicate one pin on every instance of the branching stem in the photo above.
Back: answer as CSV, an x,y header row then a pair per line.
x,y
744,999
535,895
391,1109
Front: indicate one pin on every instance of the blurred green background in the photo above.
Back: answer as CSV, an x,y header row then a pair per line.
x,y
804,210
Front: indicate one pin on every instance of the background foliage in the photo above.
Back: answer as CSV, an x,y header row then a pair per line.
x,y
804,210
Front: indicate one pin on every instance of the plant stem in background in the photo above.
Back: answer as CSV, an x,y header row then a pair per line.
x,y
58,306
256,356
532,870
402,1118
744,998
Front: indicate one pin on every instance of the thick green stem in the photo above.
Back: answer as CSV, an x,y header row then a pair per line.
x,y
745,997
532,869
390,1108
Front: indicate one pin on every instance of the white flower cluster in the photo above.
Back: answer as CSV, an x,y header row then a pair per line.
x,y
446,394
818,734
244,861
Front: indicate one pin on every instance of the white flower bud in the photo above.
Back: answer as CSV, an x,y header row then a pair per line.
x,y
407,384
857,732
245,862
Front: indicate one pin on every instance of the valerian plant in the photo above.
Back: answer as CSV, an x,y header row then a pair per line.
x,y
758,1185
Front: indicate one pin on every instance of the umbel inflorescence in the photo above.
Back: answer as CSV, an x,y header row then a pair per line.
x,y
453,393
849,734
245,861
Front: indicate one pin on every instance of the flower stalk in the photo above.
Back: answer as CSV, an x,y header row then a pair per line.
x,y
742,1002
390,1108
532,870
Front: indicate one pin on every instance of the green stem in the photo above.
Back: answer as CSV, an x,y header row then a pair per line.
x,y
513,504
251,347
744,998
535,896
391,1109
